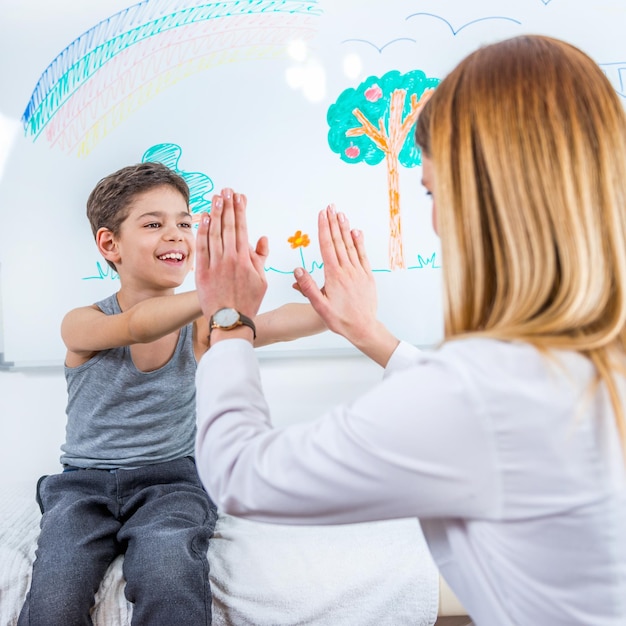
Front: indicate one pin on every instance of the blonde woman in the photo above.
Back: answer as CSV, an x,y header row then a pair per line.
x,y
508,441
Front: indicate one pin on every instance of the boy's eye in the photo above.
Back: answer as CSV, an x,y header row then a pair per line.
x,y
153,225
186,224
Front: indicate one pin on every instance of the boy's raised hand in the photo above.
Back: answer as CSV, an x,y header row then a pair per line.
x,y
348,302
229,272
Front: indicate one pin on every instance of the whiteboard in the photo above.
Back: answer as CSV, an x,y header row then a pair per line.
x,y
258,95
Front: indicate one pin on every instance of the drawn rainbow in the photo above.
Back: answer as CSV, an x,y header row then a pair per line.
x,y
114,68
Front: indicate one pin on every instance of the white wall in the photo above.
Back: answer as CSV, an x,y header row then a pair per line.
x,y
32,404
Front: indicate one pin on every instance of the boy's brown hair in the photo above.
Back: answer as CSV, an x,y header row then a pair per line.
x,y
109,202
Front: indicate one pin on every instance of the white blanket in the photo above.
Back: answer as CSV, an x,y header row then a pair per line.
x,y
262,574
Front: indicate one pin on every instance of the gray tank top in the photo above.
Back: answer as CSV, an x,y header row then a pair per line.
x,y
119,416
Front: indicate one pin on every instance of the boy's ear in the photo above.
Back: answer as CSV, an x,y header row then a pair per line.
x,y
105,240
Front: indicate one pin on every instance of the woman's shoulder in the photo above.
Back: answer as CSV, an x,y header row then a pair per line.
x,y
513,357
514,374
482,352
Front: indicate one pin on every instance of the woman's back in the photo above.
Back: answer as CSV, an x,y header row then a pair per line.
x,y
552,547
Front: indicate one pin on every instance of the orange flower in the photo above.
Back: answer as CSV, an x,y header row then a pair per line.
x,y
299,240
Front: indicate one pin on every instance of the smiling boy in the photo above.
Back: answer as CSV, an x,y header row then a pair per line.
x,y
129,483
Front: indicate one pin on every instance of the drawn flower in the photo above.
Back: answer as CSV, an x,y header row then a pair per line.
x,y
299,240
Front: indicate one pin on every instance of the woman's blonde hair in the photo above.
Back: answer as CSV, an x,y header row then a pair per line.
x,y
528,142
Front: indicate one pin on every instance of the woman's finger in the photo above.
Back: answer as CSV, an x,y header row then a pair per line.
x,y
241,226
203,258
309,289
340,234
327,247
215,243
348,242
259,255
229,226
359,246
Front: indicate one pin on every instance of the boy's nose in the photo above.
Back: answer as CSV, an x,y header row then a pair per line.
x,y
172,233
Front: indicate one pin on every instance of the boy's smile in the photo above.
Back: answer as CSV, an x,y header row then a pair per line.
x,y
172,257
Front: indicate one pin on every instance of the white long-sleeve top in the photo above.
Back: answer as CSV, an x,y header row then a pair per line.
x,y
508,457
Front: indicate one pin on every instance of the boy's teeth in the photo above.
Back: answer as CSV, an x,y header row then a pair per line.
x,y
178,256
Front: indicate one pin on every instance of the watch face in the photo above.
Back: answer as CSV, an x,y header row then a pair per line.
x,y
226,318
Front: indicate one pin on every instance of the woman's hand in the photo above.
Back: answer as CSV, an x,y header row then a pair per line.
x,y
348,301
229,272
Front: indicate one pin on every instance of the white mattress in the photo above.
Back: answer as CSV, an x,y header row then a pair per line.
x,y
374,574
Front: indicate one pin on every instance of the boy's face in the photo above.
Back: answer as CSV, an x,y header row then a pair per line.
x,y
156,242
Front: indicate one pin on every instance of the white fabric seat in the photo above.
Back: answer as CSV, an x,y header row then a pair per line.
x,y
377,573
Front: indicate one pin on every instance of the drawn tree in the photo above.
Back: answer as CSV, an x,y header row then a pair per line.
x,y
375,122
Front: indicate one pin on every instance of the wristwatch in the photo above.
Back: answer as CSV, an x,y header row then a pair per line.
x,y
227,319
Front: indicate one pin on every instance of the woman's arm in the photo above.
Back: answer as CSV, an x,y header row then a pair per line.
x,y
414,445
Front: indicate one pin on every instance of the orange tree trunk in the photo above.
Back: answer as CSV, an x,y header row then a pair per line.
x,y
396,251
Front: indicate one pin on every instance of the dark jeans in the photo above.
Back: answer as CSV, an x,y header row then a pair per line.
x,y
161,519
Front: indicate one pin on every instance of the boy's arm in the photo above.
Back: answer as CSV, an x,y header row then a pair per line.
x,y
287,322
87,329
